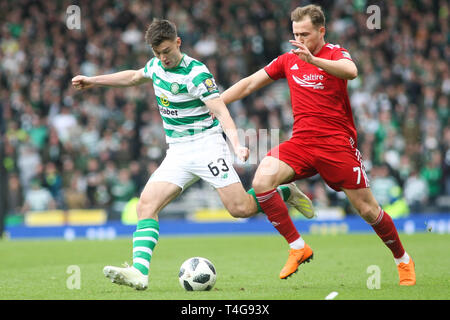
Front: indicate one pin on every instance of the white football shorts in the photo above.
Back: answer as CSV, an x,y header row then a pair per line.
x,y
208,158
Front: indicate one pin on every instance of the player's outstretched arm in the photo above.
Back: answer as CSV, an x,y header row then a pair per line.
x,y
119,79
246,86
220,111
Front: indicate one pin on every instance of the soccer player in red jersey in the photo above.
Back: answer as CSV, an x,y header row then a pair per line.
x,y
324,138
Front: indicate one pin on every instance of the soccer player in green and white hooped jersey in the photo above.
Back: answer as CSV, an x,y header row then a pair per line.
x,y
180,94
187,95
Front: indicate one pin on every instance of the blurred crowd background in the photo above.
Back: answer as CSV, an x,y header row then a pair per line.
x,y
65,149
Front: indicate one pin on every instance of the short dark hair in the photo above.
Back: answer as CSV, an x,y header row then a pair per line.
x,y
159,31
312,11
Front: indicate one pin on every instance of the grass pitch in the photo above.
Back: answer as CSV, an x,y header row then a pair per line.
x,y
247,267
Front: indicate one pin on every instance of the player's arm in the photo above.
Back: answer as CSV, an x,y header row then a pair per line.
x,y
246,86
343,68
125,78
220,111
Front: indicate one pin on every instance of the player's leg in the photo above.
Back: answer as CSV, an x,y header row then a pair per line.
x,y
340,165
213,163
243,204
164,185
270,173
155,196
294,197
367,207
239,203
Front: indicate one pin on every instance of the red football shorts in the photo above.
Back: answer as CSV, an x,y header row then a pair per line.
x,y
336,159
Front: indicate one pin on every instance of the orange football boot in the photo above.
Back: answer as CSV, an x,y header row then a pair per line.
x,y
295,259
407,273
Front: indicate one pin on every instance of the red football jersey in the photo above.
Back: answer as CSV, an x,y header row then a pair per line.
x,y
319,100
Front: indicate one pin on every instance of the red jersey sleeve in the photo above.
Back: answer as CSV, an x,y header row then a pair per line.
x,y
275,69
341,53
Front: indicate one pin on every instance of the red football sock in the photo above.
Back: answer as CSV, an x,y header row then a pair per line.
x,y
278,214
386,230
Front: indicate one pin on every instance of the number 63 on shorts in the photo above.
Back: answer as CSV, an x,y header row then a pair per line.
x,y
208,159
219,166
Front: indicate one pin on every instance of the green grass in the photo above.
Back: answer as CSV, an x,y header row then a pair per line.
x,y
247,266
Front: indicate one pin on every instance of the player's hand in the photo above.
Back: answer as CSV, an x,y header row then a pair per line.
x,y
242,153
82,82
302,51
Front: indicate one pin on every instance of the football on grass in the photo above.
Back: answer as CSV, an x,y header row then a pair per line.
x,y
197,274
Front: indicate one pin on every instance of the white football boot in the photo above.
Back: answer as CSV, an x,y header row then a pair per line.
x,y
300,201
128,276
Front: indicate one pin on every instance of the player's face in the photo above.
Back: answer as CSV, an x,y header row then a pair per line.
x,y
306,33
169,53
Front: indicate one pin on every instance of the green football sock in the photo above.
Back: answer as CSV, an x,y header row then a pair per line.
x,y
253,194
144,242
284,192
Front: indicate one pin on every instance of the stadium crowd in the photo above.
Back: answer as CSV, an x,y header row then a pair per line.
x,y
97,148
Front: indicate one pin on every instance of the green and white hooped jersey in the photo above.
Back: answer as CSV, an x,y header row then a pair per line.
x,y
180,94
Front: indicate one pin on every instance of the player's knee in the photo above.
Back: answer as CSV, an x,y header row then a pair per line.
x,y
145,209
368,211
239,210
261,184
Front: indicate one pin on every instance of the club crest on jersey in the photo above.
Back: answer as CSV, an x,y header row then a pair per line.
x,y
164,100
210,85
174,88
